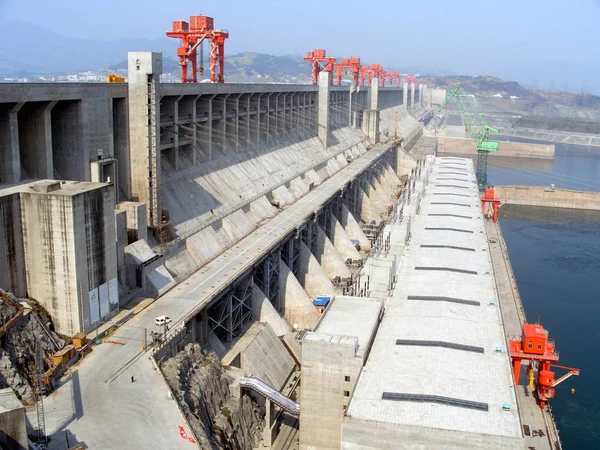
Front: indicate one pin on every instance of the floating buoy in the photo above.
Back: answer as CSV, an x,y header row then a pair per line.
x,y
572,391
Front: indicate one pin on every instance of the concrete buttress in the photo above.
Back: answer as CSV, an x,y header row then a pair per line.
x,y
369,210
313,276
298,309
342,241
352,228
331,261
264,311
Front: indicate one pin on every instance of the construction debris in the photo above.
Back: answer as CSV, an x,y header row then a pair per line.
x,y
218,420
23,331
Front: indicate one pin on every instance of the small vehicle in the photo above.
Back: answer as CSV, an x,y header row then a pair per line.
x,y
162,321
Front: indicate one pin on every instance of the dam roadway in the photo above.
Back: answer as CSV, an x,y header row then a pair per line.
x,y
140,414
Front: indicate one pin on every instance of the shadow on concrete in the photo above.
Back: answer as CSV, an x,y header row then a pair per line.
x,y
62,435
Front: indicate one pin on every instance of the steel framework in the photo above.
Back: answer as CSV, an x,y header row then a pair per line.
x,y
320,62
192,35
477,127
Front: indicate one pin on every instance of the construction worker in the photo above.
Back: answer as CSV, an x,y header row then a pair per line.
x,y
132,379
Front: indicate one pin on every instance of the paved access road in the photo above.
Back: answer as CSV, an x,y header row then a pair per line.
x,y
100,407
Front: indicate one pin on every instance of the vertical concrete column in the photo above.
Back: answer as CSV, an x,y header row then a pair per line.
x,y
236,125
10,156
144,69
374,100
268,121
405,95
175,159
277,121
285,123
412,95
421,94
209,150
248,119
304,113
323,115
351,121
224,123
48,163
258,118
194,125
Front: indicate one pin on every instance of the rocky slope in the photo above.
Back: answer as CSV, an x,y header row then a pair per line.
x,y
201,386
19,346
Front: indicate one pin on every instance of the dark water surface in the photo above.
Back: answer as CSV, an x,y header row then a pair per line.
x,y
556,259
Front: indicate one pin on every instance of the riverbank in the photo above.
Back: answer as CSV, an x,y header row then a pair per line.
x,y
559,137
546,197
507,149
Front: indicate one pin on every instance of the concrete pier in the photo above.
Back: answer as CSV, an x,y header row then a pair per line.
x,y
457,146
547,197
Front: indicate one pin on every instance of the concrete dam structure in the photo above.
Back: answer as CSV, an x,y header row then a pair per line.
x,y
257,266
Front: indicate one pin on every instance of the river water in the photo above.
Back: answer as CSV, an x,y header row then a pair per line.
x,y
556,259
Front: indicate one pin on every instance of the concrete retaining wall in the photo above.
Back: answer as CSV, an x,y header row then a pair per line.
x,y
538,196
514,149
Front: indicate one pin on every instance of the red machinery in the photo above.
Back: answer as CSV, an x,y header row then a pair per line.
x,y
320,61
352,64
535,346
489,199
394,76
411,80
199,29
373,71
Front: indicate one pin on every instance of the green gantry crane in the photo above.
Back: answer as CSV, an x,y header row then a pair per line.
x,y
477,127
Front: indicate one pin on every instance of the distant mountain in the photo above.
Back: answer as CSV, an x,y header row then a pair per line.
x,y
246,67
28,48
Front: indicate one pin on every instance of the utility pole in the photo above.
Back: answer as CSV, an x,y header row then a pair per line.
x,y
39,397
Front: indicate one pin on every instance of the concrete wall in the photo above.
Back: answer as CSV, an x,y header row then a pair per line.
x,y
54,130
70,252
13,430
12,254
330,369
368,434
542,196
514,149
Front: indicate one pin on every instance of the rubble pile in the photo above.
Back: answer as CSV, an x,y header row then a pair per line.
x,y
19,346
218,420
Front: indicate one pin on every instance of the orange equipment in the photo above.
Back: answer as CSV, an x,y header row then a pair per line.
x,y
394,76
114,78
535,346
199,29
489,198
352,64
411,80
320,61
373,71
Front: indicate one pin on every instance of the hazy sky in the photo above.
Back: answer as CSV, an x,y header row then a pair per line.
x,y
464,36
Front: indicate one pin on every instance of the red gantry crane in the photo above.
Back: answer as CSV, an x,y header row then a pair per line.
x,y
320,61
394,77
535,346
351,65
373,71
192,35
411,80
